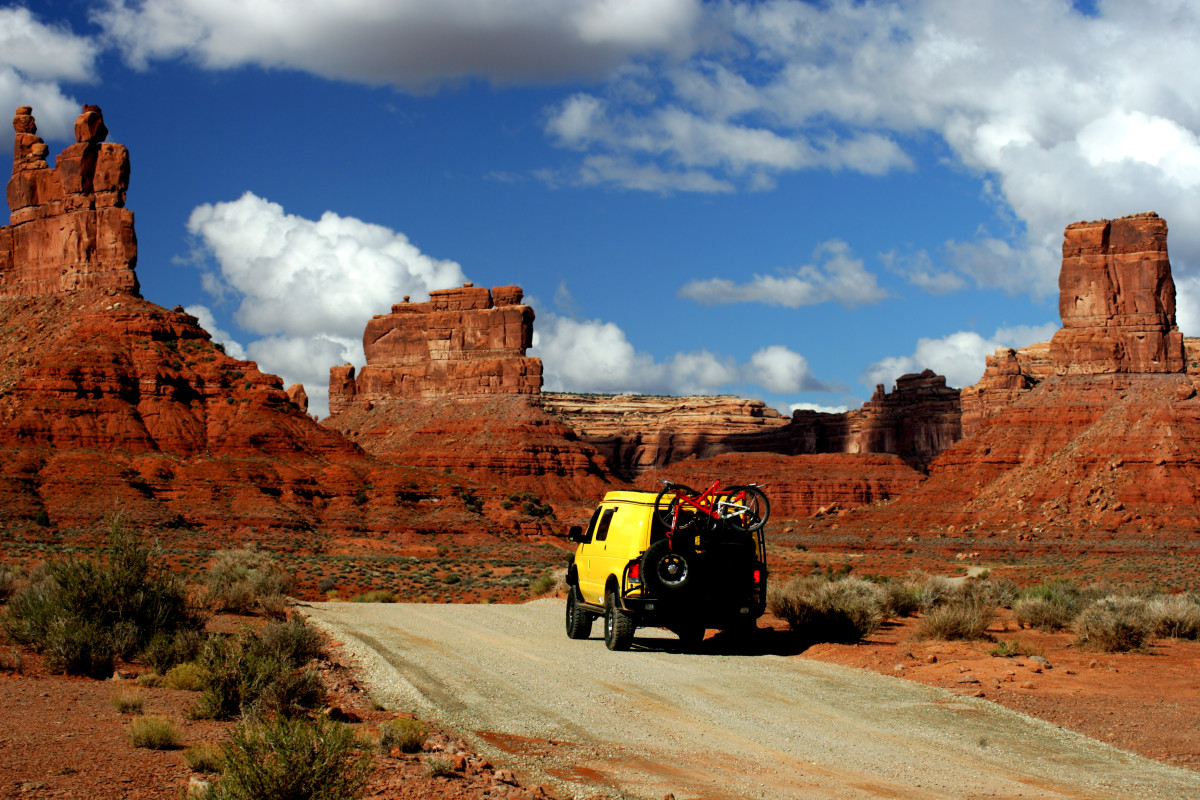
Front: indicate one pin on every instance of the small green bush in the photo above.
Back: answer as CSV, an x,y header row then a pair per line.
x,y
298,759
167,649
1010,649
188,677
957,619
543,583
437,765
376,596
8,582
407,734
936,590
83,614
900,599
1115,624
153,733
1176,616
261,673
820,610
204,758
238,580
1043,614
128,701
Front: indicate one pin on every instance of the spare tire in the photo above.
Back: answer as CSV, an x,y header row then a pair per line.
x,y
667,571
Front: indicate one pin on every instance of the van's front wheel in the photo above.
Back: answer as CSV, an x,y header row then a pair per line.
x,y
579,622
618,625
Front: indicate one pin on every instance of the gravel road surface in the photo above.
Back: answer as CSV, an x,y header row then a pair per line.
x,y
654,720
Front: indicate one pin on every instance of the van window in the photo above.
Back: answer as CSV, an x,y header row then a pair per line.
x,y
591,527
605,521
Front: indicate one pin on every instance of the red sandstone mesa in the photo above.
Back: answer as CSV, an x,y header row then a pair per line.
x,y
467,341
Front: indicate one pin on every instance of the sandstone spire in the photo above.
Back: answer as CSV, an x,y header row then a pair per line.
x,y
69,227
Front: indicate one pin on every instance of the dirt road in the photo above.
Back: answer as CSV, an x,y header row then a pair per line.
x,y
713,725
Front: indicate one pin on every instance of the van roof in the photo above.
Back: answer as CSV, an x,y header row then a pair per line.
x,y
640,498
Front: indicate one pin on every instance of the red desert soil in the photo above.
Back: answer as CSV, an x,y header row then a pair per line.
x,y
62,737
1147,702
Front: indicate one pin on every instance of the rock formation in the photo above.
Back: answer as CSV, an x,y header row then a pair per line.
x,y
467,341
110,402
1117,303
69,227
916,421
1094,432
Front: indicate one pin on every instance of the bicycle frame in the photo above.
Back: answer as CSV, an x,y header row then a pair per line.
x,y
704,502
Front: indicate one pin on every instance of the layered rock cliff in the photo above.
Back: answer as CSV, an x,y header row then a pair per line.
x,y
917,420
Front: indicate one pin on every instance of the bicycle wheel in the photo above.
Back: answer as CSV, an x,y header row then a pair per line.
x,y
746,508
666,503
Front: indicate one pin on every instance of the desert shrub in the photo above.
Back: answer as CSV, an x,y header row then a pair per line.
x,y
326,584
406,734
900,599
376,596
962,618
530,503
203,758
820,610
1176,616
1049,606
153,733
128,701
472,501
936,590
238,579
167,649
261,673
8,582
83,614
996,592
434,766
274,606
1114,624
187,677
1010,649
542,583
298,759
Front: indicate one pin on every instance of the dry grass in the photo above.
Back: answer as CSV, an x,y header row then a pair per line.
x,y
1115,624
128,701
153,733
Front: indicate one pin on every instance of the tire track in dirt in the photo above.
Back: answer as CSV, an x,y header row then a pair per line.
x,y
657,720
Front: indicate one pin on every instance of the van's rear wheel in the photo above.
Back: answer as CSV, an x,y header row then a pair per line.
x,y
579,622
618,626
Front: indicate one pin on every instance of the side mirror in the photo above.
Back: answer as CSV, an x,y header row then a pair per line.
x,y
575,534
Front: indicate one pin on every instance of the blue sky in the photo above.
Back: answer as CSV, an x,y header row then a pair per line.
x,y
785,200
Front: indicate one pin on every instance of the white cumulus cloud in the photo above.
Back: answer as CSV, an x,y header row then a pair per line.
x,y
309,286
596,356
838,277
34,58
960,357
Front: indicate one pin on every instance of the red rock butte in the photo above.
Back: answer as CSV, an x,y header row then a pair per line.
x,y
1117,303
69,227
465,341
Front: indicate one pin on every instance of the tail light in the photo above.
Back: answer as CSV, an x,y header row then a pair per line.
x,y
635,572
758,576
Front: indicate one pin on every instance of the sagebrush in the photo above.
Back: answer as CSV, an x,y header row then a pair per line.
x,y
292,759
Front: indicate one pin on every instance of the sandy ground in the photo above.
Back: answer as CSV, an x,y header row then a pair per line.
x,y
718,723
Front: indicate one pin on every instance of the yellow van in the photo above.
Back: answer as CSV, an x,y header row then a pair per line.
x,y
627,570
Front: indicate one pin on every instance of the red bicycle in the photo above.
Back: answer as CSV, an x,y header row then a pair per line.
x,y
745,508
